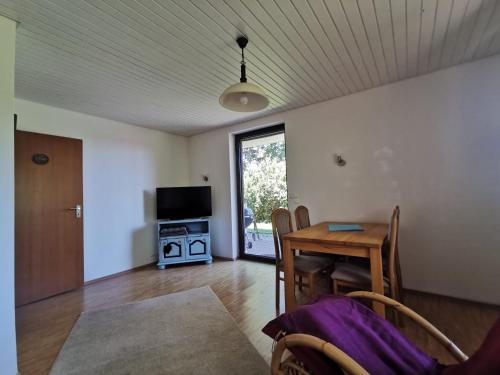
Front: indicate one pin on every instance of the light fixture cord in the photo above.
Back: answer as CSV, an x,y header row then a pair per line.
x,y
243,77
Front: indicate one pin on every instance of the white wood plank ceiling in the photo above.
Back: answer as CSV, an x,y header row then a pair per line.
x,y
164,63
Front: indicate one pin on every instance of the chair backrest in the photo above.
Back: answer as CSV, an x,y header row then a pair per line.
x,y
281,221
302,217
394,271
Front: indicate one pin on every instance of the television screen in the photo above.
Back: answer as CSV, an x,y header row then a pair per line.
x,y
183,202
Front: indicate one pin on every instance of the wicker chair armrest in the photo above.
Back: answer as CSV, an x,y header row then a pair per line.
x,y
349,365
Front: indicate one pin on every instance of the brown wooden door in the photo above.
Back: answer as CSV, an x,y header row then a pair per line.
x,y
49,235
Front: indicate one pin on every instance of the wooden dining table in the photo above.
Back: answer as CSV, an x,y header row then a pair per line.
x,y
364,244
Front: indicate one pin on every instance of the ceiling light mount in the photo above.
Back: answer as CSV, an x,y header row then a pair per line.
x,y
242,41
243,96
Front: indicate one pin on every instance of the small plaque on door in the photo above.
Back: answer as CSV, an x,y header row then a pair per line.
x,y
40,159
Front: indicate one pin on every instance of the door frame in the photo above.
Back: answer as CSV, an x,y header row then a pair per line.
x,y
238,138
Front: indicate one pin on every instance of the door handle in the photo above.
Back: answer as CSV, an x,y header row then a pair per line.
x,y
78,210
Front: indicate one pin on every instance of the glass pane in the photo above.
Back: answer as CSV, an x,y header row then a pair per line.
x,y
264,189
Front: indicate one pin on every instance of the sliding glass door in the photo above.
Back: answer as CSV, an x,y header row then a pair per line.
x,y
261,176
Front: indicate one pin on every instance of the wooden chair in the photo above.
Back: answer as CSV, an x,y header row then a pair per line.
x,y
302,218
305,266
285,363
357,276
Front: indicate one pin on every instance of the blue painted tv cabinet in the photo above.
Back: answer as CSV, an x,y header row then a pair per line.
x,y
193,246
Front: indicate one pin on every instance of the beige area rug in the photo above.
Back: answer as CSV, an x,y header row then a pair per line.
x,y
189,332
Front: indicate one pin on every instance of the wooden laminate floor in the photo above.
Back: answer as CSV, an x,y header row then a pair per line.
x,y
245,288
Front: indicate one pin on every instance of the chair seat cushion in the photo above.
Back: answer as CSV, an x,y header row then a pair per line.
x,y
355,329
354,273
309,264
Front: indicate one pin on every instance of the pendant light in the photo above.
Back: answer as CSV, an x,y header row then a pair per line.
x,y
243,96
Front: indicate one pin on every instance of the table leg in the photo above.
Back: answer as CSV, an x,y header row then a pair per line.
x,y
289,276
377,274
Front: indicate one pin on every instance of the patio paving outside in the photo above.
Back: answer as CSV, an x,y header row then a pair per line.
x,y
261,244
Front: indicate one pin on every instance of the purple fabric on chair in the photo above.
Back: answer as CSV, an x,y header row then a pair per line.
x,y
367,338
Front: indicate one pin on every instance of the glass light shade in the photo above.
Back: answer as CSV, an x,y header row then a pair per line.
x,y
244,97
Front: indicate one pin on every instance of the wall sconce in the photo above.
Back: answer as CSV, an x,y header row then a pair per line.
x,y
339,160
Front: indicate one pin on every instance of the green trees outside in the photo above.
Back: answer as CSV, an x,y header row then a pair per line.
x,y
264,176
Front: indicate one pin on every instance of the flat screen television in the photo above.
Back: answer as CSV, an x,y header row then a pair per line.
x,y
176,203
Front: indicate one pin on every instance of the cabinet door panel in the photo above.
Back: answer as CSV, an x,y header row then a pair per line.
x,y
198,247
172,248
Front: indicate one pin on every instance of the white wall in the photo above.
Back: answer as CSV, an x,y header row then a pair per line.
x,y
122,166
8,361
430,144
210,157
